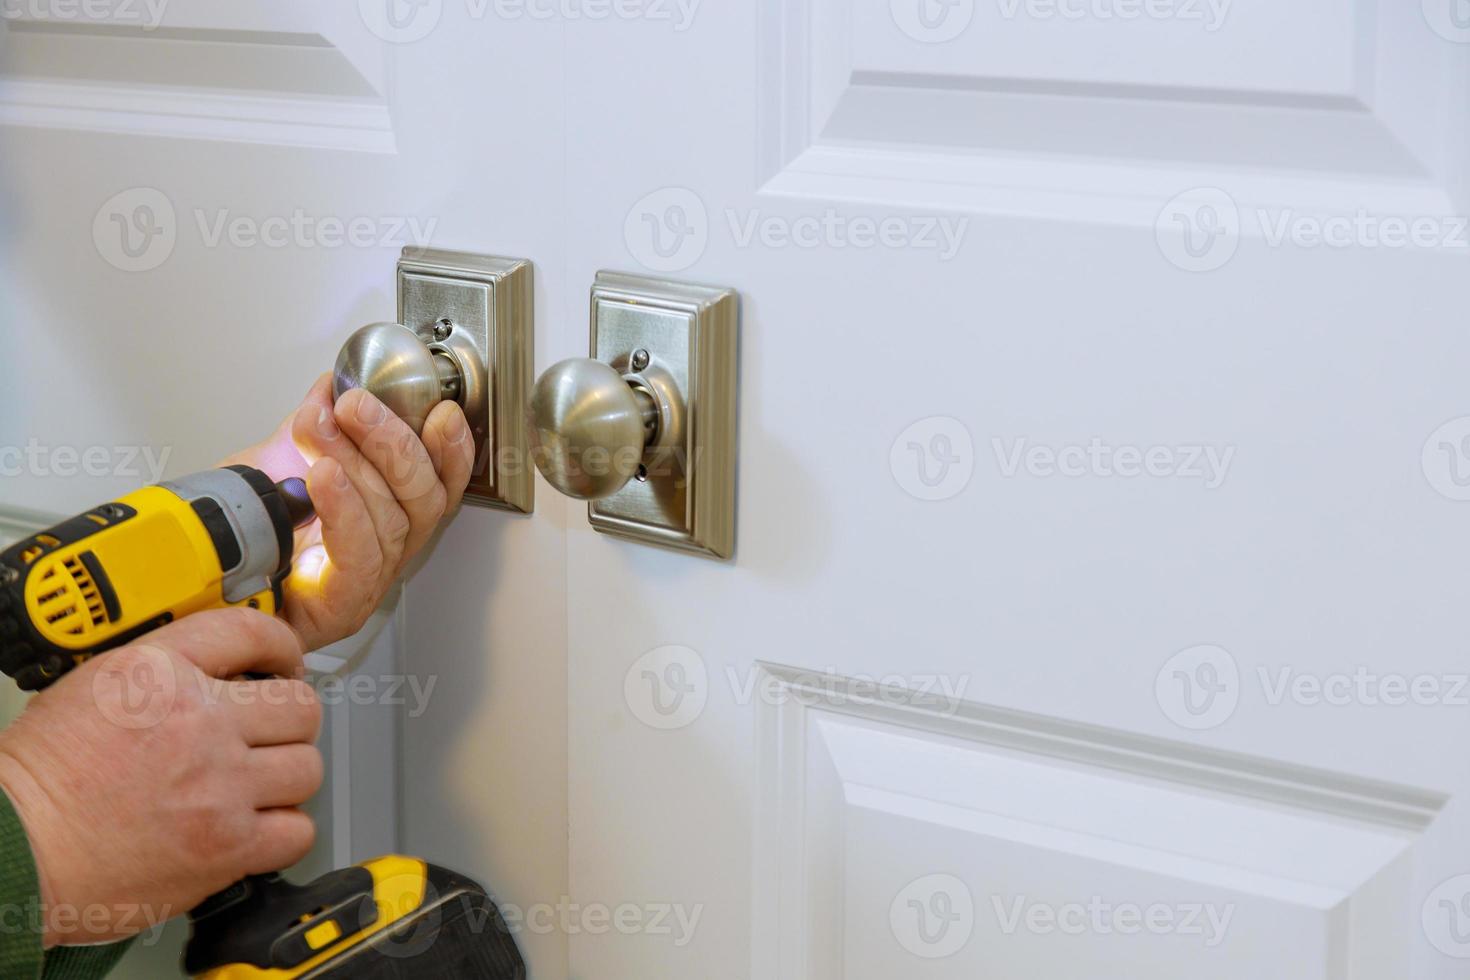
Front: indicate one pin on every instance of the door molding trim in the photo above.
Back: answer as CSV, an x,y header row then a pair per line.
x,y
859,786
277,87
319,123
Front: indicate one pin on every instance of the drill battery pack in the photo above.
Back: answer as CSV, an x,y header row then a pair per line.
x,y
394,918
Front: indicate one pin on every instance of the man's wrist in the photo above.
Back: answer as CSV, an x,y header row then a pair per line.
x,y
32,807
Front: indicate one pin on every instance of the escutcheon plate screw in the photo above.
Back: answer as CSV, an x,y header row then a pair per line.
x,y
640,359
443,329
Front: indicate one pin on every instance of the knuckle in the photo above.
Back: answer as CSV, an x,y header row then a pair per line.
x,y
396,528
374,566
267,632
250,625
298,835
190,708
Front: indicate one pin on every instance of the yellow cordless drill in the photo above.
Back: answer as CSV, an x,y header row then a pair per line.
x,y
213,540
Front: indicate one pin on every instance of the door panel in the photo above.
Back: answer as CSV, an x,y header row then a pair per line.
x,y
1051,406
1101,452
1111,849
179,266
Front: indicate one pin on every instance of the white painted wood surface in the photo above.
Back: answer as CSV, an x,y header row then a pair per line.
x,y
1089,390
921,501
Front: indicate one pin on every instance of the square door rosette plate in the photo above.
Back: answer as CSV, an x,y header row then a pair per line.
x,y
684,335
479,307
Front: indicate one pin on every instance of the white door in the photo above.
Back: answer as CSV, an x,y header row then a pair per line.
x,y
1102,383
197,209
1103,451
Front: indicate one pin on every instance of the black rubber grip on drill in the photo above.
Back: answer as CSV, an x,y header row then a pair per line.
x,y
221,532
25,654
255,920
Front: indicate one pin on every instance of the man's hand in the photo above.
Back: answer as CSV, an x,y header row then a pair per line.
x,y
380,492
148,779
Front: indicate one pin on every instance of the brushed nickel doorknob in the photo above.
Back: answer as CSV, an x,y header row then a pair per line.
x,y
591,426
403,371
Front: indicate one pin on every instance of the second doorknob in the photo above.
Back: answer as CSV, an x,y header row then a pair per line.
x,y
591,427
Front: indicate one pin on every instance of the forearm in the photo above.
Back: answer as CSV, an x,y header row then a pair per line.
x,y
23,955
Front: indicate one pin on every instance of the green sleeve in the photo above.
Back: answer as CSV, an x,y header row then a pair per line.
x,y
22,956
